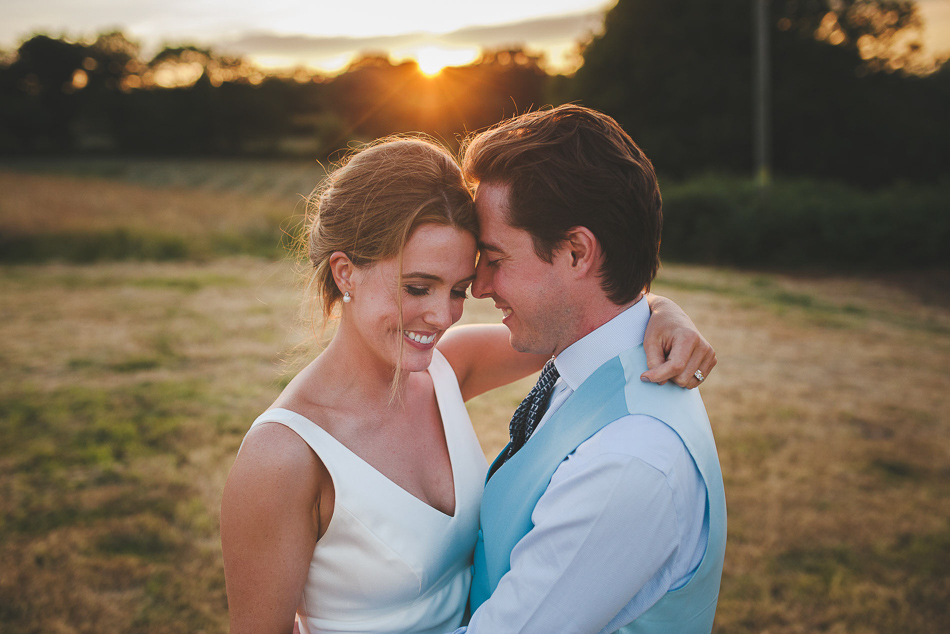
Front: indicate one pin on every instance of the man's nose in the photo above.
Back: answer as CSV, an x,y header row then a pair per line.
x,y
481,287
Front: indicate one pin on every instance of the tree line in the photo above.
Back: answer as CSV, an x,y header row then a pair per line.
x,y
852,95
60,97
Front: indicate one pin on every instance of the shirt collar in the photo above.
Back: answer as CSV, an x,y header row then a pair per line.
x,y
579,360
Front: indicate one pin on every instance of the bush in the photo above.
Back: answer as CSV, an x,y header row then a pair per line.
x,y
128,244
115,244
721,220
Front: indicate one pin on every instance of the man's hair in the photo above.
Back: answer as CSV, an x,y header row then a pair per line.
x,y
572,166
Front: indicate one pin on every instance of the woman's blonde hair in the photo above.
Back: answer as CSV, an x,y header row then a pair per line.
x,y
371,204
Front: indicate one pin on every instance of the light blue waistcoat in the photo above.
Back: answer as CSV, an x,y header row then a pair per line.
x,y
613,391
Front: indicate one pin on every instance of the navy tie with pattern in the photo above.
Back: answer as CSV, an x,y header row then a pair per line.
x,y
530,411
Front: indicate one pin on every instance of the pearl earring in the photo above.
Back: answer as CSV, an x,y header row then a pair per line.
x,y
346,297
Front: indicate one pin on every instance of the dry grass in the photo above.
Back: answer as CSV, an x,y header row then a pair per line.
x,y
35,204
74,219
829,408
125,389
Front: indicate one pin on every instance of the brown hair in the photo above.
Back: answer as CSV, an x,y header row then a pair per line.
x,y
370,205
572,166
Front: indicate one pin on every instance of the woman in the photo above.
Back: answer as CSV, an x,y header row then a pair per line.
x,y
353,501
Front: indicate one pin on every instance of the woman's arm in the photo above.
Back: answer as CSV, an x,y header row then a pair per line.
x,y
483,359
269,527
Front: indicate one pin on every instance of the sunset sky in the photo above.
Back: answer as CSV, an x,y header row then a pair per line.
x,y
327,35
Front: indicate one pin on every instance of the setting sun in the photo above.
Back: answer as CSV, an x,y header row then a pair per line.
x,y
432,59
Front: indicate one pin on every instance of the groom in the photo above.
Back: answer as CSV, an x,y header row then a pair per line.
x,y
606,511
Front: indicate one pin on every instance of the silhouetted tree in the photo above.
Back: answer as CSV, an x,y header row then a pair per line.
x,y
376,97
500,84
40,104
677,74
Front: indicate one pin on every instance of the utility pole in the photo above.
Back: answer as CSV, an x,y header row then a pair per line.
x,y
760,90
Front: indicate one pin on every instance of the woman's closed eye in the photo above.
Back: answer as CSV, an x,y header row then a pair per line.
x,y
417,291
422,291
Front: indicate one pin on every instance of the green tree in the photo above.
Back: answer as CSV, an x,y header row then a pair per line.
x,y
678,75
675,74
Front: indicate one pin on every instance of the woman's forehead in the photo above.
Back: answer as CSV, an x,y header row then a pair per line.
x,y
440,248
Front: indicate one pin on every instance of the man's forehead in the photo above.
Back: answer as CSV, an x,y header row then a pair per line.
x,y
491,206
491,231
493,193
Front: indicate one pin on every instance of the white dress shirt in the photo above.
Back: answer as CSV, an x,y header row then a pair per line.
x,y
620,524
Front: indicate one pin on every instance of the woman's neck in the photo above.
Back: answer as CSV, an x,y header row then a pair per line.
x,y
355,373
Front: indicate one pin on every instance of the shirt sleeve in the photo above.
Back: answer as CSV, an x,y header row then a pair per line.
x,y
605,531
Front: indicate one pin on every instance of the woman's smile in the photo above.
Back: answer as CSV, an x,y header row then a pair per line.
x,y
416,337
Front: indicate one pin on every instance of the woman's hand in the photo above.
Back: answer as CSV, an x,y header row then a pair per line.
x,y
675,349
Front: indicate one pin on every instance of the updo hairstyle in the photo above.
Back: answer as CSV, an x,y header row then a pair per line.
x,y
369,206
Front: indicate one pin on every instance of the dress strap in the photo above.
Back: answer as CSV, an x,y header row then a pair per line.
x,y
336,457
322,443
448,395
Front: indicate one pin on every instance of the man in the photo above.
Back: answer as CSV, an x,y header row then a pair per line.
x,y
606,512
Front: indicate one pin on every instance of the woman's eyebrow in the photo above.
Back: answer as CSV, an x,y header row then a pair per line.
x,y
423,276
436,278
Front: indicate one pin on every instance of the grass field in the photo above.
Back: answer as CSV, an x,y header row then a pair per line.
x,y
126,387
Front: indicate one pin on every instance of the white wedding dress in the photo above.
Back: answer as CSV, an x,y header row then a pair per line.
x,y
389,562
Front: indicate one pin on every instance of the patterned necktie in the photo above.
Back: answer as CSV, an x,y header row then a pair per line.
x,y
530,411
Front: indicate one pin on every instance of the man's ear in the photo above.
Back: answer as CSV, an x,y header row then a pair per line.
x,y
582,249
342,269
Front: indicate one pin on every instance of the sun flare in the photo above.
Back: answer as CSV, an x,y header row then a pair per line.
x,y
432,59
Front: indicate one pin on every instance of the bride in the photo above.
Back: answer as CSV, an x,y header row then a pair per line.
x,y
353,501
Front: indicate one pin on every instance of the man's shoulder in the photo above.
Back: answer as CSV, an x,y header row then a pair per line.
x,y
632,437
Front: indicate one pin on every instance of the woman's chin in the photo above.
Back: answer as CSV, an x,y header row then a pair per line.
x,y
416,360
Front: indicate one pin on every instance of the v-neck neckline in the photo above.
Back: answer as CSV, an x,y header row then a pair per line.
x,y
449,444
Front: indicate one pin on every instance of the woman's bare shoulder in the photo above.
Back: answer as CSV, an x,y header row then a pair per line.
x,y
272,445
